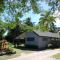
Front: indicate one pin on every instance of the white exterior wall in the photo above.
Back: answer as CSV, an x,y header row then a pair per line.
x,y
38,40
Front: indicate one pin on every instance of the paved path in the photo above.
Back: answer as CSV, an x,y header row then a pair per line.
x,y
40,55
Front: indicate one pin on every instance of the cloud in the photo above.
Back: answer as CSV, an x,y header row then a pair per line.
x,y
57,14
57,22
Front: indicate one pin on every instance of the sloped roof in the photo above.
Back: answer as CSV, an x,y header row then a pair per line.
x,y
23,35
39,33
47,34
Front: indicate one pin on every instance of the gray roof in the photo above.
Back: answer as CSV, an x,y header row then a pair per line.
x,y
47,34
39,33
21,36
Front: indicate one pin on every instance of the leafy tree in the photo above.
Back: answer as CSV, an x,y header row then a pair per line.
x,y
1,5
27,25
2,29
28,22
21,6
52,28
54,4
16,8
27,28
47,21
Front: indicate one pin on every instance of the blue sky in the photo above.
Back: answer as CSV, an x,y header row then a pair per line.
x,y
35,17
57,14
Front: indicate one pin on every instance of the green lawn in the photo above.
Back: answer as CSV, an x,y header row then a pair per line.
x,y
57,56
5,57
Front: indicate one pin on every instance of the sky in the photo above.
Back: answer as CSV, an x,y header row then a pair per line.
x,y
35,17
57,14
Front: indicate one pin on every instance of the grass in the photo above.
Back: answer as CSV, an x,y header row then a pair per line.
x,y
5,57
19,52
57,56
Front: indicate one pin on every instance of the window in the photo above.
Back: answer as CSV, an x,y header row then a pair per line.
x,y
30,39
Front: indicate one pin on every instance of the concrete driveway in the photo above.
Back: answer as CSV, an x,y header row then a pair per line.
x,y
40,55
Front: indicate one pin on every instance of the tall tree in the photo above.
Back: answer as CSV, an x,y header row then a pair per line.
x,y
54,4
28,22
21,6
52,28
2,28
1,5
47,21
16,8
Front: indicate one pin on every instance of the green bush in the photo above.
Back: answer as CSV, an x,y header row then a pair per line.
x,y
10,51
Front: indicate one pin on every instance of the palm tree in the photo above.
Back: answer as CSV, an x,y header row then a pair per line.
x,y
47,22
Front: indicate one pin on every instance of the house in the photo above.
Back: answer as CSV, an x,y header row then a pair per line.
x,y
38,38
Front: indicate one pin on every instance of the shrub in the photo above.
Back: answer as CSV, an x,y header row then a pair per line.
x,y
6,48
10,51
